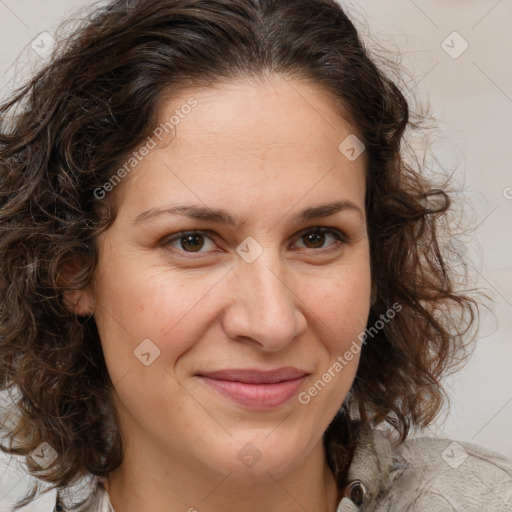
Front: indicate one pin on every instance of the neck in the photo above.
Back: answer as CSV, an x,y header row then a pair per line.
x,y
136,487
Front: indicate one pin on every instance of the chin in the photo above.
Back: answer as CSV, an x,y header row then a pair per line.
x,y
255,460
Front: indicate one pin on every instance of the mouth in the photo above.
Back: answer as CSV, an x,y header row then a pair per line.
x,y
256,389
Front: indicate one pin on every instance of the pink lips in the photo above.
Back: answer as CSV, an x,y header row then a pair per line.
x,y
257,389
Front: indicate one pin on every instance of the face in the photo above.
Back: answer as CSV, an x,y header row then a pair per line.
x,y
275,274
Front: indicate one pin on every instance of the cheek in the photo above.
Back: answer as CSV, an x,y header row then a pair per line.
x,y
138,302
341,306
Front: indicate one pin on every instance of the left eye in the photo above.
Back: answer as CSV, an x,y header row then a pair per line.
x,y
317,237
193,241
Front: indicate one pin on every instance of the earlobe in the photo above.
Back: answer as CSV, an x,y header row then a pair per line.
x,y
80,302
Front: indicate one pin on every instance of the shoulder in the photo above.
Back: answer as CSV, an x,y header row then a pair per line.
x,y
456,475
429,474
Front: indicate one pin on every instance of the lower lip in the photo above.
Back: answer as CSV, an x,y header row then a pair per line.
x,y
257,396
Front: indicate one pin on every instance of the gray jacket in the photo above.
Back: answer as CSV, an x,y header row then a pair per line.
x,y
423,474
426,474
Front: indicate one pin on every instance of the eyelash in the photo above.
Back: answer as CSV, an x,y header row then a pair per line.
x,y
336,233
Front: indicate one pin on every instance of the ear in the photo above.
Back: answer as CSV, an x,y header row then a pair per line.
x,y
80,301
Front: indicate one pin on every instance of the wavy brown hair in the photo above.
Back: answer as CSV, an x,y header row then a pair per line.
x,y
79,117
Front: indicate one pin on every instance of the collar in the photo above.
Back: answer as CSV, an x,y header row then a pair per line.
x,y
371,472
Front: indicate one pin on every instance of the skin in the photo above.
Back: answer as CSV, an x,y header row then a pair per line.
x,y
263,152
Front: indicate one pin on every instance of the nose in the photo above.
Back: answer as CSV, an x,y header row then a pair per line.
x,y
264,309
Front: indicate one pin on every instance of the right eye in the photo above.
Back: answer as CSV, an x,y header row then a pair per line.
x,y
189,241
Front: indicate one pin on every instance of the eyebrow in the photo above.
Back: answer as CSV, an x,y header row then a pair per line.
x,y
220,216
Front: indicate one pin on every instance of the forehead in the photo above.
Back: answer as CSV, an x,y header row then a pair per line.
x,y
248,114
253,136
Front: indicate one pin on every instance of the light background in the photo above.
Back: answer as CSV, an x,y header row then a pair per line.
x,y
471,97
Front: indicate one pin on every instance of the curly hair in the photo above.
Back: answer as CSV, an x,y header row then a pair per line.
x,y
93,103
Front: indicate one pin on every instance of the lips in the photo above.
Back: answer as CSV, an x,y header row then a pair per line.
x,y
256,389
252,376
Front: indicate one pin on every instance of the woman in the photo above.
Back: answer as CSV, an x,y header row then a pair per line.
x,y
220,279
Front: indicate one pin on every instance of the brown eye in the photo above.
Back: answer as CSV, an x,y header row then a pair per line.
x,y
188,241
316,238
192,242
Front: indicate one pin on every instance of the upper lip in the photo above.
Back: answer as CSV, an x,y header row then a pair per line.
x,y
255,376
